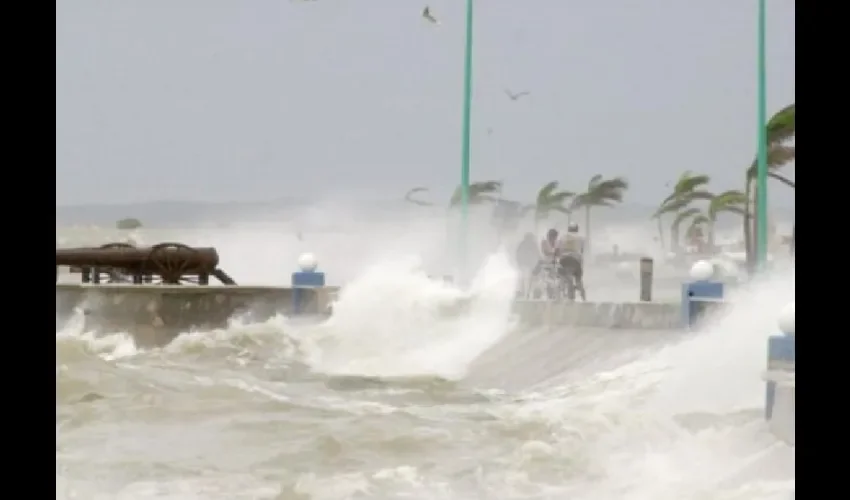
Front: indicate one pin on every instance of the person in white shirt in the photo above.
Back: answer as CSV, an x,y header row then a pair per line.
x,y
549,251
550,246
571,257
572,242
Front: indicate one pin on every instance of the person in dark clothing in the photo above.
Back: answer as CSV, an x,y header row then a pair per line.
x,y
526,258
570,266
571,258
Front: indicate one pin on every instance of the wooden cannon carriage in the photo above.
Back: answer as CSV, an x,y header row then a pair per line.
x,y
165,263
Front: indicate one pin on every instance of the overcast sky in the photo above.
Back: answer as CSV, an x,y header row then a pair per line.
x,y
257,99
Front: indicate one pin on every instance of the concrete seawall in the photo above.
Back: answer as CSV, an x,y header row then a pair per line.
x,y
783,423
635,315
155,314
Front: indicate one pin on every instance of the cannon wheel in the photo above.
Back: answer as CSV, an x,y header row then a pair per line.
x,y
164,260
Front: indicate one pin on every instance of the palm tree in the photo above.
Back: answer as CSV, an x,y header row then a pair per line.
x,y
697,226
681,217
600,193
781,128
479,192
732,201
689,187
549,199
408,197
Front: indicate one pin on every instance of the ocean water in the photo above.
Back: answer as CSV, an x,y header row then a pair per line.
x,y
399,396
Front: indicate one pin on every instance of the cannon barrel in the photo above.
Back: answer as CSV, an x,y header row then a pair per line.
x,y
190,259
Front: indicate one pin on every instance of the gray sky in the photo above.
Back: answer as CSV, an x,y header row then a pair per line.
x,y
260,99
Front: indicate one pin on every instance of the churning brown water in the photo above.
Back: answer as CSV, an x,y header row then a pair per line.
x,y
394,398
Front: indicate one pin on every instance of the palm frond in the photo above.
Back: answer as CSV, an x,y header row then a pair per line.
x,y
726,201
782,126
483,198
683,216
546,191
686,183
601,193
479,192
606,203
689,182
559,198
682,201
700,195
550,199
777,157
697,222
608,190
613,184
408,197
486,187
671,206
781,178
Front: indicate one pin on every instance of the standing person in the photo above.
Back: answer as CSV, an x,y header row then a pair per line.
x,y
571,257
526,260
548,249
547,254
549,245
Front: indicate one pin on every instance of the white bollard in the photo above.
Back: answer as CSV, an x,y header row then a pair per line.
x,y
702,270
307,262
787,319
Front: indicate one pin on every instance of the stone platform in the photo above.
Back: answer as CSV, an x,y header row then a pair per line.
x,y
156,314
615,315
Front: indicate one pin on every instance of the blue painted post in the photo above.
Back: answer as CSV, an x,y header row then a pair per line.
x,y
781,357
701,294
303,281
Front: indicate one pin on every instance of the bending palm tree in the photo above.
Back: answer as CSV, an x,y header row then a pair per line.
x,y
688,188
696,227
732,201
781,128
479,192
550,199
600,193
680,218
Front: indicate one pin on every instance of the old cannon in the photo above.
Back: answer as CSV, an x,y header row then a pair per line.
x,y
168,263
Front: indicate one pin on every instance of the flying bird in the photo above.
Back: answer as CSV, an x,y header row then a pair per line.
x,y
426,13
516,96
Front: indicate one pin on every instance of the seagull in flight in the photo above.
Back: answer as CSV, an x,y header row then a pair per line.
x,y
426,13
516,96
